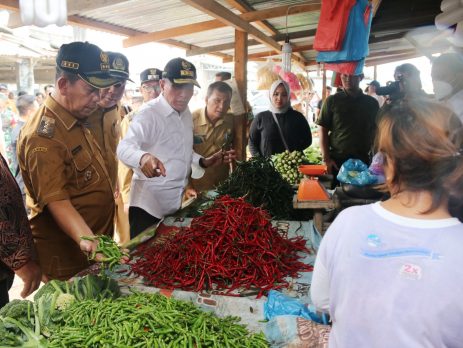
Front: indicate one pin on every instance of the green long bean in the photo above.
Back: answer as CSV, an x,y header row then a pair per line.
x,y
149,320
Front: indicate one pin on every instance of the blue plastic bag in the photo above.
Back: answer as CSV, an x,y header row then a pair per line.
x,y
278,304
355,172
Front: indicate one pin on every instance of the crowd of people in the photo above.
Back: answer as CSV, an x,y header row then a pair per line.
x,y
80,179
83,164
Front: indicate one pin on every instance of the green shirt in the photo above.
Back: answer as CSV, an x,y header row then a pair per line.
x,y
351,124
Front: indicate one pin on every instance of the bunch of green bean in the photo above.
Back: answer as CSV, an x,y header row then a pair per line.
x,y
111,252
149,320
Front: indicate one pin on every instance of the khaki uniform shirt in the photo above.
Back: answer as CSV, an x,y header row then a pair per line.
x,y
60,159
208,139
105,127
124,173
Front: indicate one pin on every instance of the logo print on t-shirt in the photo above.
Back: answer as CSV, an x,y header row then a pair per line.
x,y
410,271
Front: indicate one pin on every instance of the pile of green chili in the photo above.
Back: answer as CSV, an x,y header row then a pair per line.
x,y
260,184
111,253
149,320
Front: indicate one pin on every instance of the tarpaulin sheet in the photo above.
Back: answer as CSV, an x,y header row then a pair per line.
x,y
334,15
247,307
355,44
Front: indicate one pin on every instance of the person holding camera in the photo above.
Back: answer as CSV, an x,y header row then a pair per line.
x,y
347,124
407,84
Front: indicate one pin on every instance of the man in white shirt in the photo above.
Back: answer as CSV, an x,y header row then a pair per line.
x,y
447,79
159,148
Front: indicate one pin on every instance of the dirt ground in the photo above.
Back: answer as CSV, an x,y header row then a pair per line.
x,y
15,291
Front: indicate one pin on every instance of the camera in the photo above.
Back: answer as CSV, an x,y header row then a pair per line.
x,y
392,88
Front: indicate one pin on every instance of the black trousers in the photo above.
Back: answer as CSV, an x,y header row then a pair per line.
x,y
140,220
5,285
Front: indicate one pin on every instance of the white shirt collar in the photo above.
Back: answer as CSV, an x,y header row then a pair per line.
x,y
412,222
164,108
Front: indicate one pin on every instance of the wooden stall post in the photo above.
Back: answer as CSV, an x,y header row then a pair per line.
x,y
240,121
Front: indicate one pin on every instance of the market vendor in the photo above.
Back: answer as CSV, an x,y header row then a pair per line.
x,y
213,131
159,148
69,188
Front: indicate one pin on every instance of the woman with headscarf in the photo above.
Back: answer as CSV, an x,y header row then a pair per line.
x,y
281,128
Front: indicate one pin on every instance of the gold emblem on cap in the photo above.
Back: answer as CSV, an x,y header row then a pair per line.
x,y
186,65
118,64
69,65
186,73
153,72
104,58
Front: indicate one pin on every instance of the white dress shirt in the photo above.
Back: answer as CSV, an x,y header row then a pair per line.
x,y
161,131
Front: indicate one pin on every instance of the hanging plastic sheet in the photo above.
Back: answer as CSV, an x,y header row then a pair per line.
x,y
334,15
349,68
355,45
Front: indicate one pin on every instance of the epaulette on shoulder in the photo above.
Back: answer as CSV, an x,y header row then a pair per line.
x,y
46,127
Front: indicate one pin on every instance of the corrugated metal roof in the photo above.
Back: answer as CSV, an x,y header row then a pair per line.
x,y
150,16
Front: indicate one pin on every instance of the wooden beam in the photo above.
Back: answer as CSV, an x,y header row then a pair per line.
x,y
273,53
391,58
173,32
374,38
240,121
99,25
391,52
210,25
223,14
11,5
280,11
243,7
229,46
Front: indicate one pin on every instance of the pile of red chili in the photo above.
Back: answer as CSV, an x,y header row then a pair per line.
x,y
232,245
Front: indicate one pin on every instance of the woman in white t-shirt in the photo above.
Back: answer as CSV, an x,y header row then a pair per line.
x,y
390,274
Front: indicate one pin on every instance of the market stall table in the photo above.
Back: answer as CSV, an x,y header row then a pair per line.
x,y
243,303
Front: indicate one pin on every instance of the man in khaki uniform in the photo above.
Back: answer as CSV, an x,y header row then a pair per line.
x,y
150,89
105,126
69,188
213,130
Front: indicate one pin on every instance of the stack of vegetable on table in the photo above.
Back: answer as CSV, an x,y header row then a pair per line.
x,y
90,312
232,245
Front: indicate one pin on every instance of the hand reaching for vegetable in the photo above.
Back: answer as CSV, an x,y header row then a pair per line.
x,y
103,249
